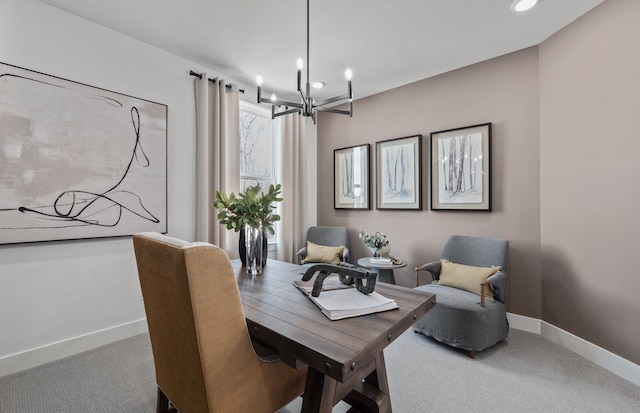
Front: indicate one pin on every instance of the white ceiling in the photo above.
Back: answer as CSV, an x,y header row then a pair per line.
x,y
386,43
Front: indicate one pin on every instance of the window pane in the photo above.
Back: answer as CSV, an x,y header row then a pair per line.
x,y
256,145
257,150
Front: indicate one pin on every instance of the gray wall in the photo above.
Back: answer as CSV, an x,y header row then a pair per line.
x,y
503,91
565,172
590,174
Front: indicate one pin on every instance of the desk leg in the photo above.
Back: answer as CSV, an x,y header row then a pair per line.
x,y
372,395
378,378
319,392
386,276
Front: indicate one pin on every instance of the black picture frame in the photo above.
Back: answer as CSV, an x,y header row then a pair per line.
x,y
351,177
460,168
399,173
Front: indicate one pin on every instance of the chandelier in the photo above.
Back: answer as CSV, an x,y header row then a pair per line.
x,y
307,106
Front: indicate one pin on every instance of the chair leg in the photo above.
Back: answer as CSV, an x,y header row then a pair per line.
x,y
163,402
472,354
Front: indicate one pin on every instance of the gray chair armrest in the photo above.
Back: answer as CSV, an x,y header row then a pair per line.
x,y
302,254
498,284
345,254
432,267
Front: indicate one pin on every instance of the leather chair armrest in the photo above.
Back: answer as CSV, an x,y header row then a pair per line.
x,y
301,254
498,284
432,267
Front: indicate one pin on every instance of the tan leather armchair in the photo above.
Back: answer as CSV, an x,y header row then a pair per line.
x,y
202,351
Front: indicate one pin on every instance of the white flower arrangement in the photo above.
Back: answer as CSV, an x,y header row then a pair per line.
x,y
375,241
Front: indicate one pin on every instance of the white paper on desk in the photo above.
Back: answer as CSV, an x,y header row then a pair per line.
x,y
337,304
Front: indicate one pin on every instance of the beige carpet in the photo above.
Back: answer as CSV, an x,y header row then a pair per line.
x,y
524,373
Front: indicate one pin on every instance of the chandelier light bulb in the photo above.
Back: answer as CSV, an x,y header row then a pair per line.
x,y
348,74
259,79
300,63
273,97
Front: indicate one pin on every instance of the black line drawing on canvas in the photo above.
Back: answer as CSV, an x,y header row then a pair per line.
x,y
75,157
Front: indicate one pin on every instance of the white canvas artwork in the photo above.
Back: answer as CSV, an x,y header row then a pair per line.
x,y
78,161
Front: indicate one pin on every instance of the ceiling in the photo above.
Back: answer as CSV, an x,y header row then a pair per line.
x,y
386,43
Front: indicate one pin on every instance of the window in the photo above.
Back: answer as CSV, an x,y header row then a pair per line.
x,y
257,149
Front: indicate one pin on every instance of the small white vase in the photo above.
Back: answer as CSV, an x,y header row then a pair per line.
x,y
384,251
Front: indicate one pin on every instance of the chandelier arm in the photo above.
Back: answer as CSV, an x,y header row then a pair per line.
x,y
332,100
281,103
331,110
275,114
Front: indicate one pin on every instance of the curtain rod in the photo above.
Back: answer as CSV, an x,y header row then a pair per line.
x,y
199,76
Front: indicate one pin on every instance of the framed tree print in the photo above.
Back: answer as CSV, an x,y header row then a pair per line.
x,y
461,168
398,173
351,177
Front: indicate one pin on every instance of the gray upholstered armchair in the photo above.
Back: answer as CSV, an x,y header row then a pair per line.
x,y
327,236
460,318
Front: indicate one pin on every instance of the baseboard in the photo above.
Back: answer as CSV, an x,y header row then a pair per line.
x,y
602,357
27,359
520,322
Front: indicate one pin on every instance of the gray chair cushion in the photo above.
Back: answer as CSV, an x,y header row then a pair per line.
x,y
458,320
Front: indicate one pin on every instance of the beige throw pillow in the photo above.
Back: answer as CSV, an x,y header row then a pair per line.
x,y
322,253
467,277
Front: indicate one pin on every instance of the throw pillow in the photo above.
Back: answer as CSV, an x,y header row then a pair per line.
x,y
322,253
467,277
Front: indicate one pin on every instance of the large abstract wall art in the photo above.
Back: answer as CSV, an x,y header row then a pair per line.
x,y
77,161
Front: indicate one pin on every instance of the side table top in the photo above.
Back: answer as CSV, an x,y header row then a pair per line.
x,y
366,262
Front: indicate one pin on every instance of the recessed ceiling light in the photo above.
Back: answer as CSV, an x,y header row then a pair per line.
x,y
523,5
318,85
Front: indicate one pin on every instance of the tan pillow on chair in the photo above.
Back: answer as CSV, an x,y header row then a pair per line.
x,y
322,253
467,277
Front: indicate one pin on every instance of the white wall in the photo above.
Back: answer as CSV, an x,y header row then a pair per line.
x,y
59,298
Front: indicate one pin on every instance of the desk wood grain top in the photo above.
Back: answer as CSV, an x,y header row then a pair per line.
x,y
283,318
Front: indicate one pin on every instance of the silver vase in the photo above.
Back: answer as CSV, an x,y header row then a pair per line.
x,y
253,248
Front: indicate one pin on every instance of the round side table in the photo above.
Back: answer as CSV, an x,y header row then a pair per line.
x,y
385,271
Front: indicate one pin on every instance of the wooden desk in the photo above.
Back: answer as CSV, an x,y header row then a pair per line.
x,y
340,354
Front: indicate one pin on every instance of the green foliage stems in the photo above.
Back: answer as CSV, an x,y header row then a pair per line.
x,y
248,208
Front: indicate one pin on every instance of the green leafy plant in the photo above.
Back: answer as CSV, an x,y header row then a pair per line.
x,y
248,208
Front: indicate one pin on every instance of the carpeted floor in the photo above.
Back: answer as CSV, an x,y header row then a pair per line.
x,y
524,373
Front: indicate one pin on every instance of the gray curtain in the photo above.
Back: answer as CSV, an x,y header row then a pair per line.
x,y
292,174
217,157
